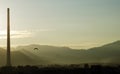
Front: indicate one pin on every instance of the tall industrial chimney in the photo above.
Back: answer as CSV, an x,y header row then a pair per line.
x,y
8,38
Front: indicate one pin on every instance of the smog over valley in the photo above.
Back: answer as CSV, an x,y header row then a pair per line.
x,y
59,36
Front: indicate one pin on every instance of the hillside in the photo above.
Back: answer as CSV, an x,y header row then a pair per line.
x,y
44,54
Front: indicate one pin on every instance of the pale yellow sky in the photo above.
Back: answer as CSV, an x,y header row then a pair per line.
x,y
73,23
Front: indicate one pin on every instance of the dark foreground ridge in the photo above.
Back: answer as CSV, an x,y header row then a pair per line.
x,y
57,69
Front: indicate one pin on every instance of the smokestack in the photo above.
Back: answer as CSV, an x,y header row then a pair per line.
x,y
8,38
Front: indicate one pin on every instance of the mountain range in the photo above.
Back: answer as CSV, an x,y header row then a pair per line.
x,y
43,54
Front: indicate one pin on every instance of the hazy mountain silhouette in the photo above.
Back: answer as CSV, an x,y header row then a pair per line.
x,y
43,54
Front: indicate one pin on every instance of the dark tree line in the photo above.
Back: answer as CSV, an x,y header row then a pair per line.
x,y
56,69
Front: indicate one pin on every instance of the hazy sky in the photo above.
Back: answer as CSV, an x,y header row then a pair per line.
x,y
73,23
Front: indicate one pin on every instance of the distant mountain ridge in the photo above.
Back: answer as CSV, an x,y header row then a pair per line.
x,y
27,55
